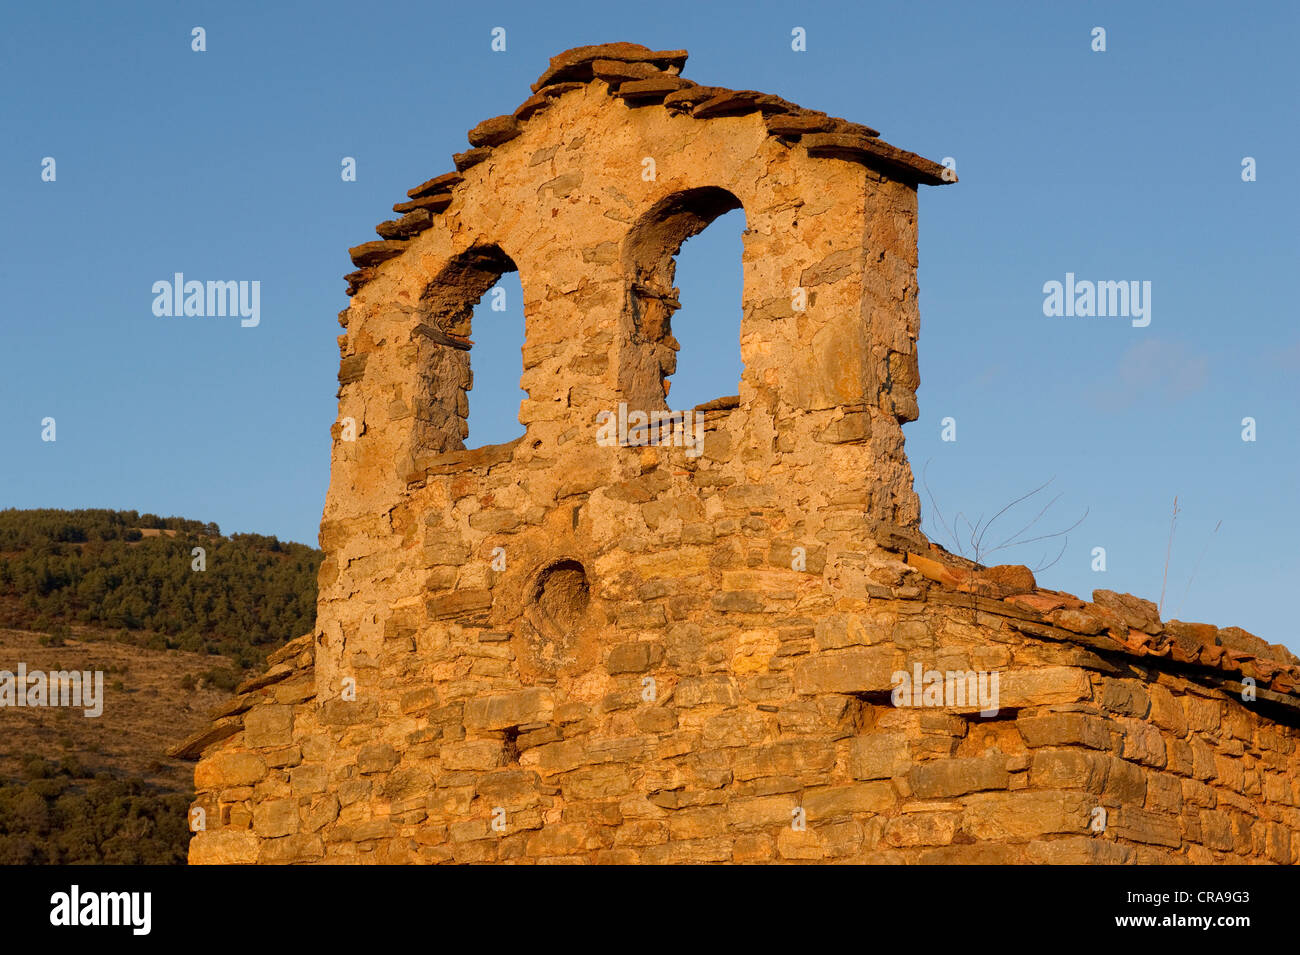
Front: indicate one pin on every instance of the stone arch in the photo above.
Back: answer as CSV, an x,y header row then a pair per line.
x,y
649,256
562,176
444,370
561,189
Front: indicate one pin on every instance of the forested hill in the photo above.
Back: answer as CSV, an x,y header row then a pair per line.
x,y
135,576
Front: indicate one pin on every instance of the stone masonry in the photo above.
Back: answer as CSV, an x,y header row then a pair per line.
x,y
558,650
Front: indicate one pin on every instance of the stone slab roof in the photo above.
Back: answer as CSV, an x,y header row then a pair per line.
x,y
1112,623
641,78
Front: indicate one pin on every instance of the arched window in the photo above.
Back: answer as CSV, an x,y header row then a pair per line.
x,y
709,281
711,325
496,364
469,297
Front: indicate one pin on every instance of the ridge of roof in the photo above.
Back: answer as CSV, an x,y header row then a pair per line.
x,y
640,77
1112,622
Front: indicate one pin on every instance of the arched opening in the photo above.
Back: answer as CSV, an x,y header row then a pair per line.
x,y
557,610
497,364
469,296
709,280
711,328
562,593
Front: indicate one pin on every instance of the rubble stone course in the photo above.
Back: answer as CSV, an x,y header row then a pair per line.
x,y
691,658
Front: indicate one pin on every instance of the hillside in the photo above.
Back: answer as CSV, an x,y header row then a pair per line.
x,y
116,592
134,575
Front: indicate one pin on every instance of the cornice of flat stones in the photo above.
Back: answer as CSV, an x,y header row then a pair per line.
x,y
640,77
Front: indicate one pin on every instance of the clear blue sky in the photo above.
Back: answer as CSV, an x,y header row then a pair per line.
x,y
1123,165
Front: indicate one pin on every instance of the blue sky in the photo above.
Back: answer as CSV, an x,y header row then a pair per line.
x,y
1122,165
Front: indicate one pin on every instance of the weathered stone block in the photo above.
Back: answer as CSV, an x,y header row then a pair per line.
x,y
1065,729
376,758
303,847
1139,825
1077,850
223,847
229,769
268,725
854,670
1003,816
879,755
634,657
275,817
479,754
922,829
841,800
954,777
503,710
1043,687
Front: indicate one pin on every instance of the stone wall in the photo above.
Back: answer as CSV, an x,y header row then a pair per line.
x,y
555,650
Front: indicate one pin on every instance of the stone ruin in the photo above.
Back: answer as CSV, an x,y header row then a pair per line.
x,y
566,650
